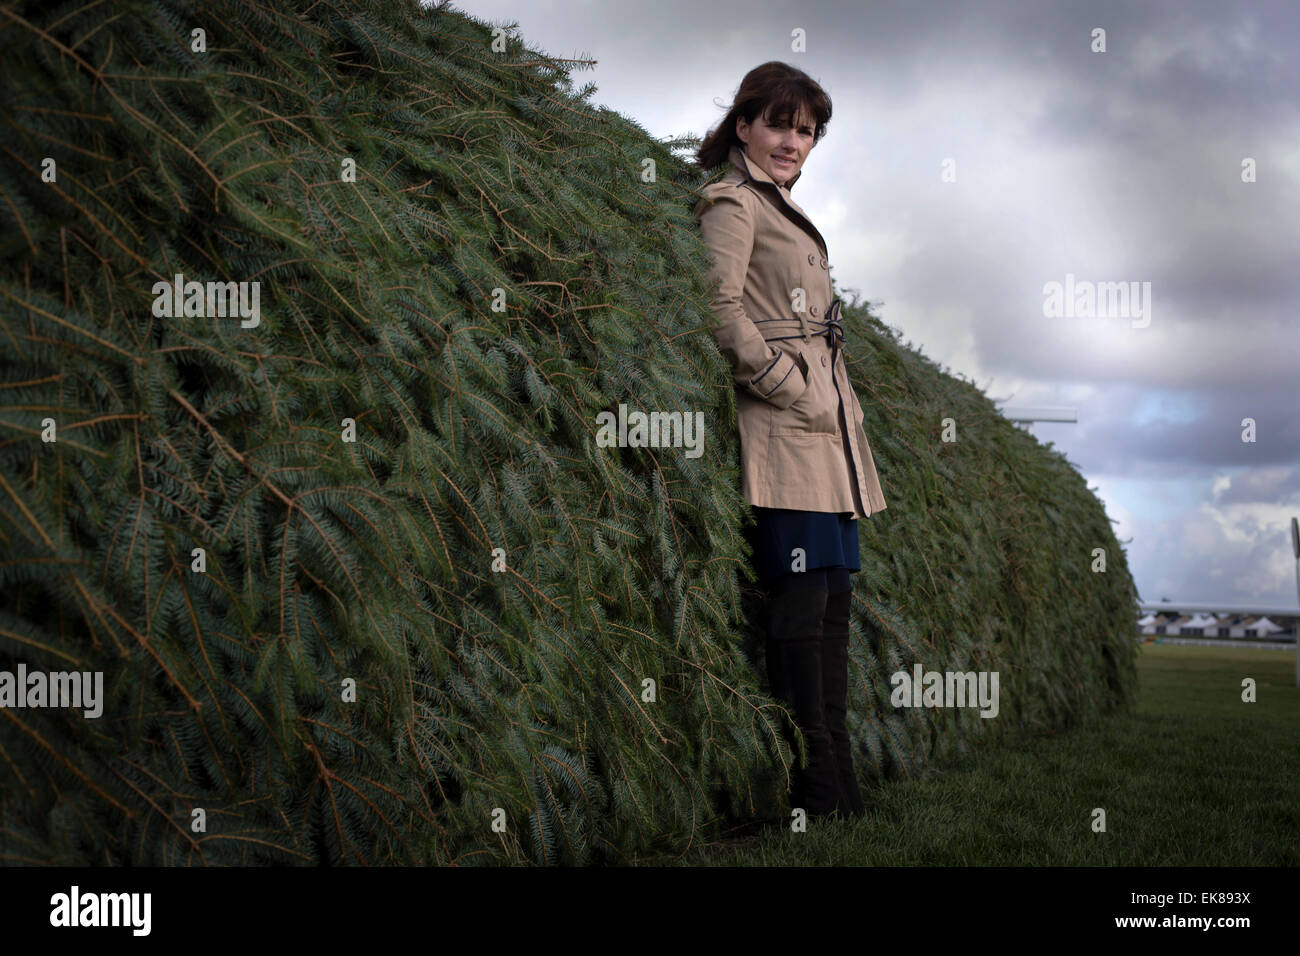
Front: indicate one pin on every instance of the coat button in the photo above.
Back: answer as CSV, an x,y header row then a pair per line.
x,y
812,260
815,310
823,361
824,266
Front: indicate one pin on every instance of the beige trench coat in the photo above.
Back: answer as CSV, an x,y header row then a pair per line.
x,y
772,298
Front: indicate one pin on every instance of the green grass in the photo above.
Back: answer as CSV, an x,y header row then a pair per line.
x,y
1193,777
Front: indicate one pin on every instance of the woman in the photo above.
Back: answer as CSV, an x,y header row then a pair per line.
x,y
807,469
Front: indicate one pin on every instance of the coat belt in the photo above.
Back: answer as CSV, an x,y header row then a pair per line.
x,y
831,328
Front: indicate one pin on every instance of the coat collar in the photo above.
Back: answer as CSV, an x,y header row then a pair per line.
x,y
753,171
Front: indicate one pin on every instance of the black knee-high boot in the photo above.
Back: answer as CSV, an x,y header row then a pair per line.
x,y
794,667
835,686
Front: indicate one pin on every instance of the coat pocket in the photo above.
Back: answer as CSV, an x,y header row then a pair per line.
x,y
816,410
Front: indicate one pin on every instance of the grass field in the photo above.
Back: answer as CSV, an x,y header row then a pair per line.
x,y
1194,777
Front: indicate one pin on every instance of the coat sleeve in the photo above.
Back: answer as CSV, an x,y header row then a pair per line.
x,y
727,222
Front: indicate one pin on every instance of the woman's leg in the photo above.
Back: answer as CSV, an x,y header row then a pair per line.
x,y
795,609
835,686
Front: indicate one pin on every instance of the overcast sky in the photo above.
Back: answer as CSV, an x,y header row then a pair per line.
x,y
1116,166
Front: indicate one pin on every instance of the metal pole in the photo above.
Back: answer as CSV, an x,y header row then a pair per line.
x,y
1295,550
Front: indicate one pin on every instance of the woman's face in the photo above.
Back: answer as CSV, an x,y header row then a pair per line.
x,y
778,149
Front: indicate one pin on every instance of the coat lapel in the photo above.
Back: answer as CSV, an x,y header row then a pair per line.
x,y
755,172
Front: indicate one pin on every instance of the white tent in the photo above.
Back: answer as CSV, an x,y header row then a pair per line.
x,y
1198,624
1265,626
1222,627
1243,625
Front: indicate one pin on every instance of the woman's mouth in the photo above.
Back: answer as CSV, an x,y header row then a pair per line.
x,y
783,162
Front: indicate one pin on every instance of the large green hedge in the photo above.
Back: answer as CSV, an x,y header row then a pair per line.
x,y
459,254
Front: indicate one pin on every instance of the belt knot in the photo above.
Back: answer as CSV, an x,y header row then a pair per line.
x,y
834,325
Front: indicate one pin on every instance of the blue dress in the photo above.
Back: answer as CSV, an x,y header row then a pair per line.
x,y
829,540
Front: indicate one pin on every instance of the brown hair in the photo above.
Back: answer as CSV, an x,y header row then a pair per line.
x,y
775,89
